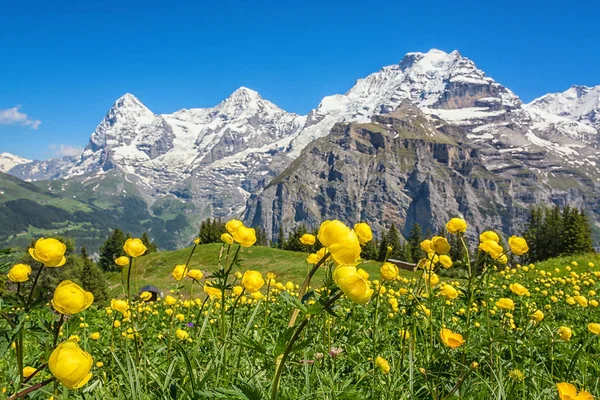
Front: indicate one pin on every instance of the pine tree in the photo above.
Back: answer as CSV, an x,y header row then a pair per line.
x,y
151,246
383,245
393,239
370,250
111,249
280,238
413,244
92,279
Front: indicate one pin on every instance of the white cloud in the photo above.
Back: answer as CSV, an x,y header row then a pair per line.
x,y
12,116
61,150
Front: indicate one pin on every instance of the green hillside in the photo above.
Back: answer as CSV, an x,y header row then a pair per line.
x,y
155,268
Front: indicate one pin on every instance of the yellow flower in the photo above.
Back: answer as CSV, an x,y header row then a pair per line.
x,y
347,251
179,272
170,300
426,246
180,317
308,239
19,273
232,226
505,304
122,261
489,235
246,237
537,316
252,281
99,364
382,364
388,271
363,273
70,365
28,371
145,296
353,284
195,274
565,333
518,289
404,334
492,248
227,238
69,298
433,279
119,305
316,257
364,233
518,245
238,290
134,247
212,291
197,240
451,339
95,336
568,391
117,323
49,252
332,232
581,300
449,291
440,245
445,260
181,334
594,328
456,225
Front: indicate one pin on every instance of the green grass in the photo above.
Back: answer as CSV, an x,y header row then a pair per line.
x,y
155,268
566,261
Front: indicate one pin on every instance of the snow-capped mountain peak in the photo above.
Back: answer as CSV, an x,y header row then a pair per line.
x,y
578,103
8,161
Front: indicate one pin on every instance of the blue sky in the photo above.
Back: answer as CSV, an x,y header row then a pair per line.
x,y
64,63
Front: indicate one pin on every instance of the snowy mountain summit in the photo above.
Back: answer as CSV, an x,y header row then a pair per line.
x,y
8,161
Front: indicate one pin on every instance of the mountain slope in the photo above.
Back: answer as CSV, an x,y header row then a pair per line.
x,y
8,161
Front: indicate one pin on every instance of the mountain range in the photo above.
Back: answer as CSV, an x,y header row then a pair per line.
x,y
419,141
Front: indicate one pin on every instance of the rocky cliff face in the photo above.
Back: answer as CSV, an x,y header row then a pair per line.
x,y
407,167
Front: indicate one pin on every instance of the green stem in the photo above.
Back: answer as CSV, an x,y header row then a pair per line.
x,y
35,281
128,280
24,393
304,287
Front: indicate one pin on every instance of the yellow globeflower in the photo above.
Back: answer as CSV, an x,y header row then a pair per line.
x,y
70,365
119,305
382,364
69,298
353,284
28,371
181,334
451,339
388,271
581,300
594,328
237,290
346,251
246,237
433,279
308,239
252,281
518,245
122,261
445,260
227,238
505,304
449,291
489,235
332,232
456,225
440,245
134,247
179,272
195,274
19,273
364,233
565,333
170,300
95,336
212,292
49,252
233,225
316,257
518,289
145,296
537,316
426,246
492,248
568,391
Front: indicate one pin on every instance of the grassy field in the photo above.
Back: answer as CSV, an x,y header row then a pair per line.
x,y
155,268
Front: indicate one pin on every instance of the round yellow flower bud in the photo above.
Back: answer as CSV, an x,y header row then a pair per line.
x,y
518,245
440,245
456,225
119,305
195,274
449,292
505,304
518,289
364,233
382,364
388,271
489,235
145,296
117,323
212,291
69,298
565,333
227,238
95,336
170,300
252,281
49,252
594,328
19,273
445,260
232,226
181,334
347,250
28,371
316,257
70,365
122,261
353,284
332,232
134,247
308,239
179,272
246,237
